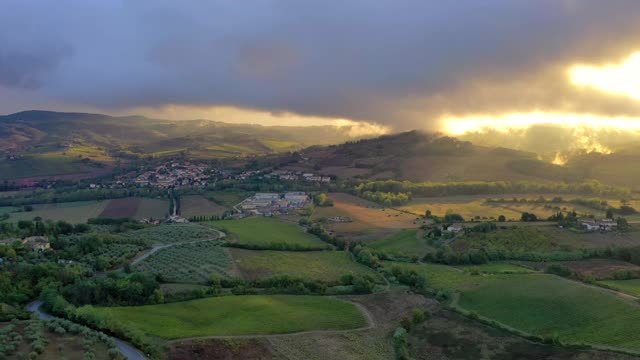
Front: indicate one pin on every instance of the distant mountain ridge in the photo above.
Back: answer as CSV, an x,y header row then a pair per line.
x,y
29,130
53,144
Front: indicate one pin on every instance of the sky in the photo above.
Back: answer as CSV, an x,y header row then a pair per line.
x,y
461,67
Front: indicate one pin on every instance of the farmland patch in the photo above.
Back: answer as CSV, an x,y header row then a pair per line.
x,y
239,315
326,266
172,233
72,212
197,205
404,243
189,263
121,208
267,232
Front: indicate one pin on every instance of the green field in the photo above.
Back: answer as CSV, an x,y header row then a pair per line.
x,y
546,305
239,315
172,233
326,266
404,243
267,232
516,239
226,198
72,212
41,166
438,276
627,286
498,268
542,304
189,263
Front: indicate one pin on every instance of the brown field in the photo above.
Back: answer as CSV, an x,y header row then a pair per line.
x,y
121,208
220,349
343,172
369,222
152,208
193,205
365,214
599,269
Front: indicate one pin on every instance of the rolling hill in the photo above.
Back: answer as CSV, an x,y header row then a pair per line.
x,y
419,156
45,143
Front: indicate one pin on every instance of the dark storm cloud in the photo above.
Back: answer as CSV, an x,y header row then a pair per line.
x,y
402,63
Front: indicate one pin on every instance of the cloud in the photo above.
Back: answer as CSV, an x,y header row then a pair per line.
x,y
401,63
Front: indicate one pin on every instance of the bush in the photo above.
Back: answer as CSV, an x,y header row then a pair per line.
x,y
400,344
559,270
419,315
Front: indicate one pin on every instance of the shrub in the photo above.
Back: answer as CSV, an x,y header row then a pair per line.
x,y
559,270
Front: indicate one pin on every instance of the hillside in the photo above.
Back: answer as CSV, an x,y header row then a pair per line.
x,y
44,143
419,156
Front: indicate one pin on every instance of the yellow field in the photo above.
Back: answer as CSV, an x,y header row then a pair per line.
x,y
365,215
472,206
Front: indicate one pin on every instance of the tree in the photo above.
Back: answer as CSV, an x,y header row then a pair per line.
x,y
623,225
502,218
158,296
609,214
427,214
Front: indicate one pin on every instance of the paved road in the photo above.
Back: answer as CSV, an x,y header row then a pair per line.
x,y
157,248
124,347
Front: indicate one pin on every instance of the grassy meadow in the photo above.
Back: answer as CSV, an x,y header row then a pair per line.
x,y
326,266
239,315
631,286
541,304
266,232
498,268
404,243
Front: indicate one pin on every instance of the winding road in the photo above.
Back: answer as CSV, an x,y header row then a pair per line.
x,y
126,349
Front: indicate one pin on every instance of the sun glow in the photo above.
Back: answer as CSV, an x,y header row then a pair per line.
x,y
506,122
621,79
231,114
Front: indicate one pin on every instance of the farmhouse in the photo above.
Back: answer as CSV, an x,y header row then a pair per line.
x,y
602,225
37,243
455,228
268,204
